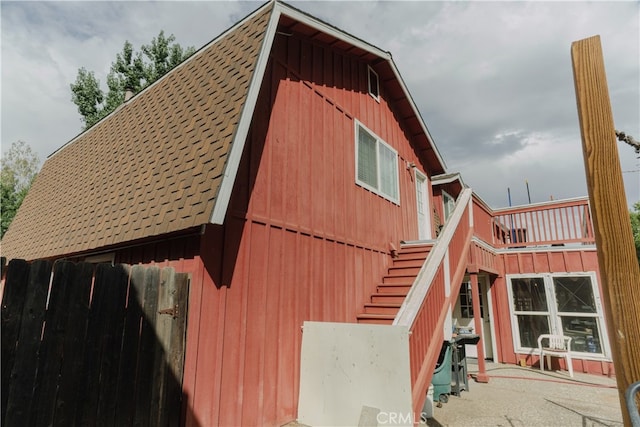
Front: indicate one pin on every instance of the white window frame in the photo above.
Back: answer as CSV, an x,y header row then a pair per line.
x,y
555,317
379,142
448,203
370,82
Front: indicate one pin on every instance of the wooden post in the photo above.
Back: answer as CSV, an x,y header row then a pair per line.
x,y
482,376
619,270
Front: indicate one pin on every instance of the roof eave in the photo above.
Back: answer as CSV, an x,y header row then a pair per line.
x,y
242,130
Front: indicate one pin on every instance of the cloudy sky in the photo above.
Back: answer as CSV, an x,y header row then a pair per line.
x,y
492,80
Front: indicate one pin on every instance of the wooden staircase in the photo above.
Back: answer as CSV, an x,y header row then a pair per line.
x,y
390,294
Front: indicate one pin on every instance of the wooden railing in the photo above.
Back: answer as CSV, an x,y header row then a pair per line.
x,y
564,222
427,304
483,256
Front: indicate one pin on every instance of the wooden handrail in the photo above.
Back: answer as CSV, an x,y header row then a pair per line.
x,y
420,287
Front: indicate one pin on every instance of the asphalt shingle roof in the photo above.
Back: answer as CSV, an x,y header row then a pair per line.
x,y
152,167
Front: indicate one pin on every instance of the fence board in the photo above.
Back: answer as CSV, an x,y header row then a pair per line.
x,y
77,305
176,351
3,263
148,344
51,347
24,369
90,378
117,278
13,298
126,402
164,317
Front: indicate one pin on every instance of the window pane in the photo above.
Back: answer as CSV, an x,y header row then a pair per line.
x,y
388,172
449,205
466,301
530,327
419,195
584,332
367,168
373,83
529,294
574,294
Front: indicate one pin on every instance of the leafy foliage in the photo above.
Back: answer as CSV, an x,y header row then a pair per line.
x,y
635,226
20,166
130,70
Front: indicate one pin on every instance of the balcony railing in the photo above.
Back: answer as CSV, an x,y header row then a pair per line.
x,y
555,223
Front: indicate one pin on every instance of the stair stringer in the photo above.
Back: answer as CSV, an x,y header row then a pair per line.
x,y
427,304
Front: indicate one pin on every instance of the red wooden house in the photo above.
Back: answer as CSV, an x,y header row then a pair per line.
x,y
286,168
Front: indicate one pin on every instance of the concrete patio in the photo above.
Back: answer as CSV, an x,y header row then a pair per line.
x,y
519,396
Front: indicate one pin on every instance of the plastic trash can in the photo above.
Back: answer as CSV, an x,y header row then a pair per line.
x,y
427,408
441,379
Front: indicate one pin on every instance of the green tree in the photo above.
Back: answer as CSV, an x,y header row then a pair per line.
x,y
163,55
131,70
635,226
20,165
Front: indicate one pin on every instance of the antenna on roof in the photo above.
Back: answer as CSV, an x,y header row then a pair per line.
x,y
528,193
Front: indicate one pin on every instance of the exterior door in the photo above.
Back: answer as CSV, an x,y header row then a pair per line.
x,y
464,317
422,202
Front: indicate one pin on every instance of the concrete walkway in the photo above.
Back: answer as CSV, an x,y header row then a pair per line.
x,y
517,396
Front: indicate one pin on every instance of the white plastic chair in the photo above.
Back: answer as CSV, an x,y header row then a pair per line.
x,y
557,346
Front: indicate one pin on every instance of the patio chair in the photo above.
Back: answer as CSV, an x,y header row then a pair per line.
x,y
557,346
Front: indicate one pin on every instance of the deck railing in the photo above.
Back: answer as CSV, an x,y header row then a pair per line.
x,y
427,304
560,223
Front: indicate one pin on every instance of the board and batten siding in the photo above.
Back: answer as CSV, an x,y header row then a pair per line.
x,y
303,158
311,245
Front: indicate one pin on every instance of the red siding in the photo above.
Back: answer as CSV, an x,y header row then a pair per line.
x,y
307,178
313,244
482,223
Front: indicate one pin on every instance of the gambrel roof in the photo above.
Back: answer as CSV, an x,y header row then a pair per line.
x,y
166,160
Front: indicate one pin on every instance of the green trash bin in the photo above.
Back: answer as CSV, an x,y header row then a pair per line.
x,y
441,379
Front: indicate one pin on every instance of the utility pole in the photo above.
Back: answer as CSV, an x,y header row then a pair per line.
x,y
619,270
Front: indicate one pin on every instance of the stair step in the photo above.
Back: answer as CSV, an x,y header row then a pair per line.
x,y
415,249
404,271
392,288
388,298
382,308
377,319
403,280
408,262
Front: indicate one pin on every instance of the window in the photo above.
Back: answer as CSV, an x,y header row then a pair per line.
x,y
466,301
376,165
566,304
449,204
374,87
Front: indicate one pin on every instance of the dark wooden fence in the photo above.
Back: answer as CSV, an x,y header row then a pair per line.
x,y
89,345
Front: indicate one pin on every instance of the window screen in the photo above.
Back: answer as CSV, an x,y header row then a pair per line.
x,y
367,163
377,165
